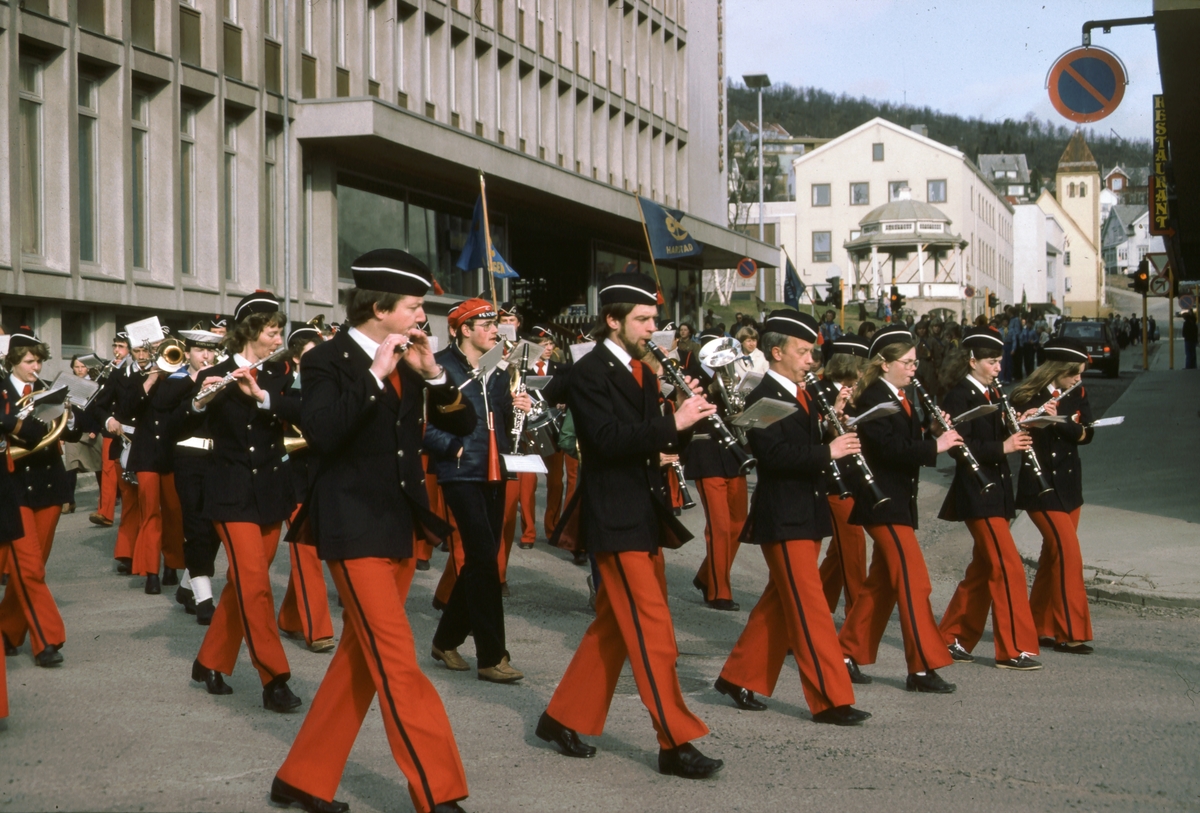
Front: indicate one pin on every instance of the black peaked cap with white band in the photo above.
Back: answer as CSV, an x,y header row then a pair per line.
x,y
634,289
391,271
303,329
23,337
792,323
257,302
982,339
851,345
1066,348
890,335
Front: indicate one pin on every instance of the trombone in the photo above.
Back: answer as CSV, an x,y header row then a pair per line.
x,y
170,355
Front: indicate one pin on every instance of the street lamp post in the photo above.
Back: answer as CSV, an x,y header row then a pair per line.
x,y
759,81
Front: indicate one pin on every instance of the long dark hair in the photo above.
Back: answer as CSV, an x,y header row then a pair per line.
x,y
1043,377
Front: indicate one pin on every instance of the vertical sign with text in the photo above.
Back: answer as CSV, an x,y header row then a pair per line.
x,y
1160,208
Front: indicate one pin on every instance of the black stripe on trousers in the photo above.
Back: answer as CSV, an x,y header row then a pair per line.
x,y
1062,575
637,625
711,541
812,650
387,687
237,586
37,624
302,591
1012,618
837,540
912,614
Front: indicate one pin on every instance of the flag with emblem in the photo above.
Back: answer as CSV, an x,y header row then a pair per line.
x,y
472,256
669,240
793,286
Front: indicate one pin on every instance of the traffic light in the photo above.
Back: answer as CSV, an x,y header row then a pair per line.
x,y
1141,278
897,300
993,301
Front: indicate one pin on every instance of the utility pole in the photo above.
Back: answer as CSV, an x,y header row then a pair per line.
x,y
759,82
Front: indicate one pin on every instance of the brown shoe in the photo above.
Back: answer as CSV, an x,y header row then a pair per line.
x,y
96,518
500,673
503,589
322,645
68,508
454,662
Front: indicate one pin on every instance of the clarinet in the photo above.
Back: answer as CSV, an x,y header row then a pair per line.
x,y
519,417
826,408
1031,458
724,436
684,494
965,455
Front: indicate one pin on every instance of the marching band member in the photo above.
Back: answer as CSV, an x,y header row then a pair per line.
x,y
895,448
996,576
520,490
192,455
554,394
845,564
723,494
1058,597
469,473
788,520
247,495
363,393
42,482
304,612
623,518
110,473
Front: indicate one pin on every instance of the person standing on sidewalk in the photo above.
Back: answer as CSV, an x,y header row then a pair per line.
x,y
1058,597
1190,335
996,576
83,456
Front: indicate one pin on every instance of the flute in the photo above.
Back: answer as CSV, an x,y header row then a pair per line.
x,y
216,386
966,456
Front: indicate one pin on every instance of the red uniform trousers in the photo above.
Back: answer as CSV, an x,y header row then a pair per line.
x,y
3,668
556,498
131,518
305,608
996,579
1058,597
791,614
28,605
845,563
632,622
247,607
422,550
160,535
897,575
725,503
110,473
518,494
376,656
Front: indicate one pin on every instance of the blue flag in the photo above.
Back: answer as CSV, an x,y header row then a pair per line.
x,y
472,256
669,240
793,286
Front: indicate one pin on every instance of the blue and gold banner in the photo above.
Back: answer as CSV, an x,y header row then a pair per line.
x,y
669,240
471,258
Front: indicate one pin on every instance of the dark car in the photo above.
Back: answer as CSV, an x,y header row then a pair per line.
x,y
1105,353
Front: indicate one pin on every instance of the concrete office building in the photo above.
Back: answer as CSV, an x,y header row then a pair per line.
x,y
146,153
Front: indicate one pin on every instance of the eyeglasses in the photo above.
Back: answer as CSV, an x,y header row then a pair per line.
x,y
907,364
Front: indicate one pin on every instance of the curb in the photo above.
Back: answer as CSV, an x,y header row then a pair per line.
x,y
1129,598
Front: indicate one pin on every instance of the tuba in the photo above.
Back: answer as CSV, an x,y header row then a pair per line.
x,y
719,355
25,409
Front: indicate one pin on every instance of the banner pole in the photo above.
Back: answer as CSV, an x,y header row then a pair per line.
x,y
649,245
487,236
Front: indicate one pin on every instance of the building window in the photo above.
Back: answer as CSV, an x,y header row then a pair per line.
x,y
1071,190
306,235
231,10
1066,258
76,332
270,18
230,221
270,197
139,185
308,25
935,191
339,21
91,15
820,194
30,91
187,190
1118,183
189,34
1142,251
89,183
860,194
822,246
1083,190
894,189
877,152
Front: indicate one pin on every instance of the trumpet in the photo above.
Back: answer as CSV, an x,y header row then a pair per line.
x,y
1031,458
723,435
216,386
966,456
826,408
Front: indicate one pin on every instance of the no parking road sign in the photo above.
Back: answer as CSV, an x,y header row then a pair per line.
x,y
747,268
1087,84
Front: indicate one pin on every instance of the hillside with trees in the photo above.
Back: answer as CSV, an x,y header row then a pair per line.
x,y
819,113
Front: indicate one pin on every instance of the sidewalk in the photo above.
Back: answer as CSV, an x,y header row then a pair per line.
x,y
1138,527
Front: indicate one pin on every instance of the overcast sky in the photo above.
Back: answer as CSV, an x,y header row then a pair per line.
x,y
984,58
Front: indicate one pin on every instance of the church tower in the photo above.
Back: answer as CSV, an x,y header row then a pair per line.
x,y
1078,186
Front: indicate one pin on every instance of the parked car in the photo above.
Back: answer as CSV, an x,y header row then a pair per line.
x,y
1105,353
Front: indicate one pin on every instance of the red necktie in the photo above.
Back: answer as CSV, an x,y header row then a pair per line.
x,y
635,367
254,373
1055,393
541,368
802,397
904,403
394,380
28,389
988,395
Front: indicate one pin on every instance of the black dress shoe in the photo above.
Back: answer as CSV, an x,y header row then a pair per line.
x,y
9,649
842,715
525,545
930,682
580,557
153,585
170,577
1077,649
185,597
422,564
1046,642
50,656
742,698
1022,663
450,807
960,654
124,566
278,697
687,762
438,604
699,585
726,604
568,742
213,681
856,675
285,795
204,612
